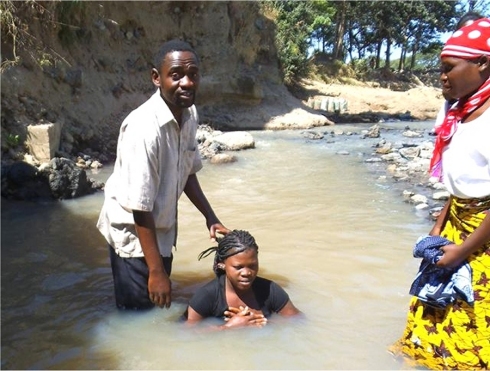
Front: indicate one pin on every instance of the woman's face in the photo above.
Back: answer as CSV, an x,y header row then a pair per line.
x,y
241,269
460,77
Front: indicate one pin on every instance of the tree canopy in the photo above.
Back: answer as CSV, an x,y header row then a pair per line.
x,y
365,30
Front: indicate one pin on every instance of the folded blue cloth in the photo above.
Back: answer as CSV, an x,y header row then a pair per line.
x,y
438,286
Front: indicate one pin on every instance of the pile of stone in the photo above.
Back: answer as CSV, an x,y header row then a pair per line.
x,y
46,173
408,162
404,161
214,145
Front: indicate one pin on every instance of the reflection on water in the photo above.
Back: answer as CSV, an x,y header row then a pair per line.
x,y
336,238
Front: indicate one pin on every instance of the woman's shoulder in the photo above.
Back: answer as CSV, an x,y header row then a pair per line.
x,y
265,284
209,300
262,281
208,291
482,115
270,294
212,285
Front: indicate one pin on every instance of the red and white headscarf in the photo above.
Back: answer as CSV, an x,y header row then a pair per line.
x,y
468,43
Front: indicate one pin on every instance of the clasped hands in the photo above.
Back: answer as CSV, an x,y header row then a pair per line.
x,y
243,316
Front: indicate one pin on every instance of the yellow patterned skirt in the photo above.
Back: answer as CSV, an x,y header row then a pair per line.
x,y
458,336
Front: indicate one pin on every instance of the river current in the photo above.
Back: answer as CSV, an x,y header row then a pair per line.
x,y
334,234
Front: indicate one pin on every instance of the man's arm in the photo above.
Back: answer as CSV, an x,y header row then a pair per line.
x,y
194,192
159,285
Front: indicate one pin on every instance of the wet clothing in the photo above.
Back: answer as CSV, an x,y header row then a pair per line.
x,y
457,336
131,280
210,300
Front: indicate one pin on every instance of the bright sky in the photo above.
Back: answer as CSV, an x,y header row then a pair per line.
x,y
396,52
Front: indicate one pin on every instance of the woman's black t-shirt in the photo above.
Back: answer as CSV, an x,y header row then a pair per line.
x,y
210,300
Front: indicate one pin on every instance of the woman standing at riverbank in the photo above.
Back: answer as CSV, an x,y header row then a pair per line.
x,y
458,336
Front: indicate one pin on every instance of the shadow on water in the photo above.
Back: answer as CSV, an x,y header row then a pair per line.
x,y
54,284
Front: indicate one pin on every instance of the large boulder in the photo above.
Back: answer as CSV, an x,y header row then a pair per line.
x,y
43,140
66,180
23,181
235,140
59,179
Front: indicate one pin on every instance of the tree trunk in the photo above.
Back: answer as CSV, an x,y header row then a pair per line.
x,y
378,53
401,64
414,53
388,52
415,50
339,31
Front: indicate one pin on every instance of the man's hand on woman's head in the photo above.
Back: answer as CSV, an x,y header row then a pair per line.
x,y
217,228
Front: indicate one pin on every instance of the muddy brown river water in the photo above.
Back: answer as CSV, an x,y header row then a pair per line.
x,y
337,238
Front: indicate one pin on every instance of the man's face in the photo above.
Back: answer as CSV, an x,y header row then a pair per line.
x,y
178,79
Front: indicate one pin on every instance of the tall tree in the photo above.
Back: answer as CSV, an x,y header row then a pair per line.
x,y
340,21
293,21
355,29
324,14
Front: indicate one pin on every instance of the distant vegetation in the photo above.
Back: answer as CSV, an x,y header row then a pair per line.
x,y
18,36
360,33
364,33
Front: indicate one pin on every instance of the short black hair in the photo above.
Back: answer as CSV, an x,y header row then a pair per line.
x,y
174,45
470,16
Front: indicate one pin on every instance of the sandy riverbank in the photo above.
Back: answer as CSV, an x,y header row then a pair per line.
x,y
368,98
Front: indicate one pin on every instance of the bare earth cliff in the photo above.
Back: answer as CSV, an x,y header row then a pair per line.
x,y
104,59
86,68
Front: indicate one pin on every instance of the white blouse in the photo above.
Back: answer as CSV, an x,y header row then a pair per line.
x,y
466,159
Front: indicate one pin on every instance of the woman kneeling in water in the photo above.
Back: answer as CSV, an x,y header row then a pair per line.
x,y
237,293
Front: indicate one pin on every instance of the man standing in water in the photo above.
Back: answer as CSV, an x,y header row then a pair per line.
x,y
157,160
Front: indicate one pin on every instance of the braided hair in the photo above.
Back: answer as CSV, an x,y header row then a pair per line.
x,y
231,244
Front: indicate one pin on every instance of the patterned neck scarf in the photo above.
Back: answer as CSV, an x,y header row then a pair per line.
x,y
468,43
